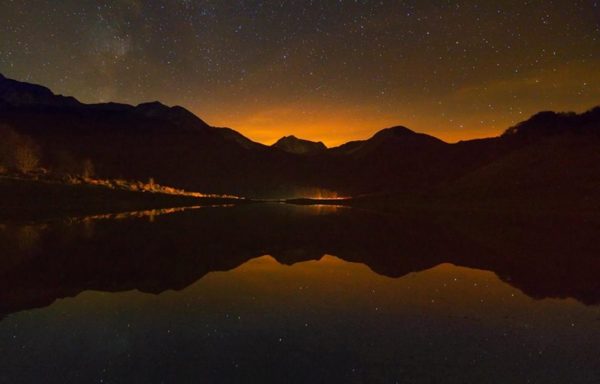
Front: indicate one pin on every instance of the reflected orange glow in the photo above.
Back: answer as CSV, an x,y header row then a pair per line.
x,y
333,282
334,285
317,193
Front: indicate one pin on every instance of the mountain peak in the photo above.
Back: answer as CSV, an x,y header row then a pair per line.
x,y
152,105
389,140
397,131
402,134
176,114
153,109
292,144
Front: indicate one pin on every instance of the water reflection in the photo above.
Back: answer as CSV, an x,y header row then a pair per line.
x,y
315,321
437,298
43,262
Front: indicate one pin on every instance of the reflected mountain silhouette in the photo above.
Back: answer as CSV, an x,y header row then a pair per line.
x,y
543,256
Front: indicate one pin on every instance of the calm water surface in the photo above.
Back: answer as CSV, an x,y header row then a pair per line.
x,y
300,294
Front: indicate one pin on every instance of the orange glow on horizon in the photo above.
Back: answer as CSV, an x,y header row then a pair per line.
x,y
471,111
335,132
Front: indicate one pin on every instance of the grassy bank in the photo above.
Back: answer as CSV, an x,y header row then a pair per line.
x,y
24,199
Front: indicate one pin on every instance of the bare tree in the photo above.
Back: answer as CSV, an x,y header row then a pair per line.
x,y
7,138
26,156
87,169
17,152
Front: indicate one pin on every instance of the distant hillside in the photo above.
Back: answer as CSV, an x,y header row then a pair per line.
x,y
554,152
563,170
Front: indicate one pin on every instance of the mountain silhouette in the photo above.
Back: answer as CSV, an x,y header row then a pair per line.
x,y
551,156
292,144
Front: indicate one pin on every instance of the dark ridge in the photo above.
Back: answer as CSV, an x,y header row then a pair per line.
x,y
240,139
548,123
21,94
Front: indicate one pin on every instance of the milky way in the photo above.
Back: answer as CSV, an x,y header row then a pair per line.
x,y
323,70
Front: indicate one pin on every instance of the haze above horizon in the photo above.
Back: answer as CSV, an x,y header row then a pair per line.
x,y
323,71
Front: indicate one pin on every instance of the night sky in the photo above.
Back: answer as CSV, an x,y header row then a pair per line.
x,y
323,70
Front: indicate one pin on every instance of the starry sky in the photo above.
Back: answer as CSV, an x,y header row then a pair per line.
x,y
322,70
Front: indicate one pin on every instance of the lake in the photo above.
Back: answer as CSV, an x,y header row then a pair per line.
x,y
273,293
